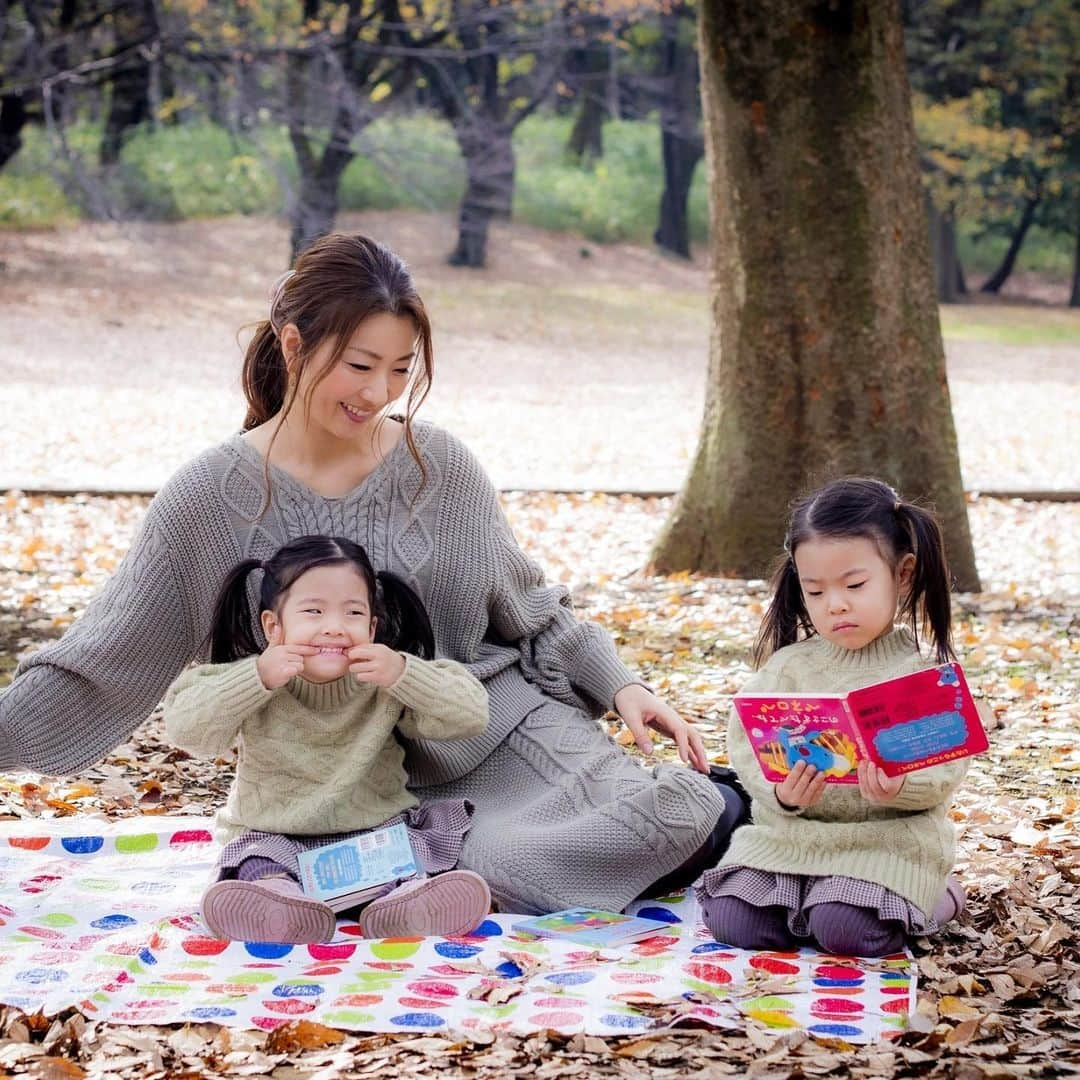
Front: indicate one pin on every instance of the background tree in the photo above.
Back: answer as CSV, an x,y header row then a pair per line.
x,y
826,352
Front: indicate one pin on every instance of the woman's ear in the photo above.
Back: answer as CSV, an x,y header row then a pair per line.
x,y
290,346
905,573
271,628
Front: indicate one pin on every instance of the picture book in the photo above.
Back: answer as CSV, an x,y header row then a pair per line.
x,y
902,724
584,926
348,872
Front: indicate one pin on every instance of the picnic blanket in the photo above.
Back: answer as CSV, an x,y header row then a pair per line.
x,y
103,916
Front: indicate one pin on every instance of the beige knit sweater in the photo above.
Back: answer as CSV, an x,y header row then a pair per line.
x,y
318,758
907,846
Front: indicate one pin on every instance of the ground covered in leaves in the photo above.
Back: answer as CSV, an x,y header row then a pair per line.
x,y
999,992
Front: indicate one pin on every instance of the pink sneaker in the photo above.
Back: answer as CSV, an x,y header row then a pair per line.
x,y
451,903
270,909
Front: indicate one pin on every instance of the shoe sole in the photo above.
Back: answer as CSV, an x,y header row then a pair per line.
x,y
246,911
451,903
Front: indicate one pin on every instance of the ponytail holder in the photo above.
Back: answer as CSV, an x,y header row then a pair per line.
x,y
896,507
275,295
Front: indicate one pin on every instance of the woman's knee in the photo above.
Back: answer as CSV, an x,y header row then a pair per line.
x,y
849,930
744,925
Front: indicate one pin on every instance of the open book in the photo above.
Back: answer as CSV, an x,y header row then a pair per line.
x,y
347,872
902,724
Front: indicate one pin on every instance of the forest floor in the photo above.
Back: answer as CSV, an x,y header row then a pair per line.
x,y
999,991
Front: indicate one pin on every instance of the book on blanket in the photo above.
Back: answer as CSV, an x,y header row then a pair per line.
x,y
348,872
903,724
584,926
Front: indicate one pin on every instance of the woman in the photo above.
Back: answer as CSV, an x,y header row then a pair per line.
x,y
562,815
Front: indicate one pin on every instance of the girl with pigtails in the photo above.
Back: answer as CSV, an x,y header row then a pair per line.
x,y
315,713
858,870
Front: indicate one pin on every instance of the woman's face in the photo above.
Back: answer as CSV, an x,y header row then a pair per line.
x,y
372,372
327,607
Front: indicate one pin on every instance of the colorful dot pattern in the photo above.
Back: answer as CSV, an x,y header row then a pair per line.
x,y
108,921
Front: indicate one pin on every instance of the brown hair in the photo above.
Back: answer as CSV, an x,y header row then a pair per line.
x,y
338,282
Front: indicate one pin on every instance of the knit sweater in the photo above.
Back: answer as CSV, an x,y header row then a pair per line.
x,y
907,845
318,758
78,698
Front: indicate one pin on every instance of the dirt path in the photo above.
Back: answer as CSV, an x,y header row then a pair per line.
x,y
120,357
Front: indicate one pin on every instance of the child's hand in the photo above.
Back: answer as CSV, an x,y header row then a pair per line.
x,y
875,786
376,664
801,788
280,663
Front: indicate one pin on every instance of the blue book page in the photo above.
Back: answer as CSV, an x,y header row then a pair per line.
x,y
358,863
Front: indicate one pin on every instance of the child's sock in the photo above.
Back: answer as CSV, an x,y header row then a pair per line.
x,y
272,908
259,866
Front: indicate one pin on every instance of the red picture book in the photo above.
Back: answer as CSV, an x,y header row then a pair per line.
x,y
903,724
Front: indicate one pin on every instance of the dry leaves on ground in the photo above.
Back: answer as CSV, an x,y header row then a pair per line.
x,y
999,992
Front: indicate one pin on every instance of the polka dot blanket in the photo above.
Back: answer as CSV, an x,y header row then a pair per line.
x,y
104,916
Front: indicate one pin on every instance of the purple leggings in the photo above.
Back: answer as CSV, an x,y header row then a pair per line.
x,y
841,929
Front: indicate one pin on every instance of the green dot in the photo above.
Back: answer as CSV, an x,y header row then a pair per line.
x,y
57,918
347,1016
111,960
770,1002
98,884
164,989
197,965
132,844
251,977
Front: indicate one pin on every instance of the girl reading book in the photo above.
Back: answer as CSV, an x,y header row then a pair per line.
x,y
856,868
316,713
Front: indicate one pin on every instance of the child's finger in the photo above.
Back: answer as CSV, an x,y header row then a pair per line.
x,y
302,650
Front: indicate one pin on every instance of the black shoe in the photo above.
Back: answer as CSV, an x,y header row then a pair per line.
x,y
725,778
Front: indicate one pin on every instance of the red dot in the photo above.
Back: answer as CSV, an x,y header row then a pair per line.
x,y
39,883
358,999
268,1023
191,836
433,988
895,1005
289,1006
894,989
836,1007
29,843
331,952
835,971
773,966
313,971
203,946
420,1003
711,973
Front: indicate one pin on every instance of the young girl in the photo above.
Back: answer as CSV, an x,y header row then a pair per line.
x,y
857,869
315,714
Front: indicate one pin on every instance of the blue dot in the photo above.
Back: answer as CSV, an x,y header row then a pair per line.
x,y
82,845
509,970
291,990
453,950
895,976
709,946
418,1019
661,914
147,957
210,1012
571,978
37,976
488,928
267,950
622,1020
112,922
838,982
834,1029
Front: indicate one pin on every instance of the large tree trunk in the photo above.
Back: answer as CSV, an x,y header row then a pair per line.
x,y
129,102
998,278
681,142
317,202
488,151
826,354
12,120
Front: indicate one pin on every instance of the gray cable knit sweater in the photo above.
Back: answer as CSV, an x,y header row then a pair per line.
x,y
75,700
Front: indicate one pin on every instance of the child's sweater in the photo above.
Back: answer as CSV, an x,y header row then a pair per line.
x,y
318,758
907,845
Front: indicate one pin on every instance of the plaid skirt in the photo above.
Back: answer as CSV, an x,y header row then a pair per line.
x,y
800,892
437,829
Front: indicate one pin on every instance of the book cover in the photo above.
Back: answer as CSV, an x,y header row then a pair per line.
x,y
585,926
903,724
348,872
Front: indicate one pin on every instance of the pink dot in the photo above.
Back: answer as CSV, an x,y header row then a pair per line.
x,y
831,1006
557,1018
559,1003
268,1023
331,952
433,988
635,978
289,1006
191,836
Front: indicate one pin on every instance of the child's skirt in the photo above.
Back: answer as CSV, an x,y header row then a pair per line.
x,y
436,830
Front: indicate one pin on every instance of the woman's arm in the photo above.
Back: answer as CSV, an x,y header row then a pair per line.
x,y
442,699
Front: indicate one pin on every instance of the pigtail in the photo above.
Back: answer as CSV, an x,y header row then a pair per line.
x,y
929,600
786,614
265,378
403,620
231,637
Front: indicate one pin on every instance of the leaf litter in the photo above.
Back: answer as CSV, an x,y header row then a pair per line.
x,y
999,991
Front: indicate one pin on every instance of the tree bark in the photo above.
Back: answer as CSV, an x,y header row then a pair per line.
x,y
998,278
826,355
948,272
1074,295
588,71
681,143
129,102
317,201
488,151
12,120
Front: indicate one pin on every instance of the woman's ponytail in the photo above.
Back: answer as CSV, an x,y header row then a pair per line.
x,y
403,620
265,378
929,599
231,636
786,614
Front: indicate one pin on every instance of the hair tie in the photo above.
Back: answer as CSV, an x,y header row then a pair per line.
x,y
896,507
275,295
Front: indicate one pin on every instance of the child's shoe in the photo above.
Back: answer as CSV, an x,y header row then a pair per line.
x,y
268,909
952,904
451,903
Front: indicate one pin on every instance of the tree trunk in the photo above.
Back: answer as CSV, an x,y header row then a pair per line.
x,y
998,278
826,354
317,201
489,191
586,142
129,101
12,121
681,142
587,71
948,273
1074,295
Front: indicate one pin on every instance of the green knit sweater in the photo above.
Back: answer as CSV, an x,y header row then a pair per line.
x,y
318,758
907,846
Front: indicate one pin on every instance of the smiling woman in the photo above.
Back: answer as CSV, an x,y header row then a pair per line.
x,y
562,815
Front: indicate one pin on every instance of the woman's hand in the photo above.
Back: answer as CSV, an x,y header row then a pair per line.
x,y
801,788
279,663
875,786
641,709
376,664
